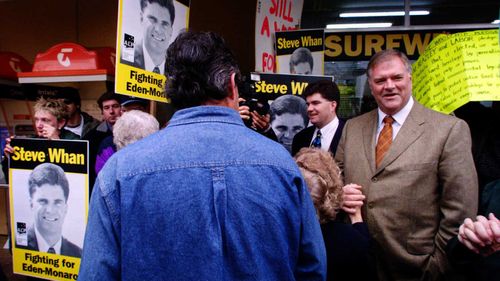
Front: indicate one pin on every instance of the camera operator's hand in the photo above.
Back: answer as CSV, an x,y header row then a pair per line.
x,y
260,122
244,110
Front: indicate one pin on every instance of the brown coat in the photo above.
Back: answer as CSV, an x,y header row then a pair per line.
x,y
423,190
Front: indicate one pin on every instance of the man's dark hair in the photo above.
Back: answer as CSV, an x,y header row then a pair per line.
x,y
199,67
289,104
326,88
107,96
385,55
72,95
48,173
169,4
301,55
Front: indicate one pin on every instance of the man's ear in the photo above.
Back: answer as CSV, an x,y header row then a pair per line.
x,y
233,90
334,106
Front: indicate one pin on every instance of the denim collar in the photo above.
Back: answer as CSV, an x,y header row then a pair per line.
x,y
204,114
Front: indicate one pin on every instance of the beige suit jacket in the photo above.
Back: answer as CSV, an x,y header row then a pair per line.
x,y
424,188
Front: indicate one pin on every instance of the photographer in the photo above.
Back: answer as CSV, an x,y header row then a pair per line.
x,y
255,111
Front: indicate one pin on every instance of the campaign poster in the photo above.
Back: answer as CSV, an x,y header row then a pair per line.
x,y
288,109
49,197
300,52
273,16
144,34
274,85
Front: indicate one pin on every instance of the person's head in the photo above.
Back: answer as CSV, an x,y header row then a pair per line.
x,y
157,18
201,70
110,107
51,112
389,77
133,103
322,177
132,126
49,191
323,99
288,117
71,98
301,61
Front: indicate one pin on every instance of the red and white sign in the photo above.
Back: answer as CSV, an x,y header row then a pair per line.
x,y
12,63
70,62
272,16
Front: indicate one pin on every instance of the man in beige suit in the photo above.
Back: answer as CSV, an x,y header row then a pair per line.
x,y
425,182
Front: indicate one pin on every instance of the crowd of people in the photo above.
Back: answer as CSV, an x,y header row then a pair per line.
x,y
388,195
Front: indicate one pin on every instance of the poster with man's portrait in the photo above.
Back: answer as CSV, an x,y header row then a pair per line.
x,y
49,205
145,30
300,52
288,109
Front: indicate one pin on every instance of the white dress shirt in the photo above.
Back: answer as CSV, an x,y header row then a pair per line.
x,y
148,61
43,246
399,119
327,133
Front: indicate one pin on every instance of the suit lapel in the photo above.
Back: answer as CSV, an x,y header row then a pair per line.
x,y
336,137
409,133
369,132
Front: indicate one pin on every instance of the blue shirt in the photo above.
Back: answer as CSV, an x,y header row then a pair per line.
x,y
204,199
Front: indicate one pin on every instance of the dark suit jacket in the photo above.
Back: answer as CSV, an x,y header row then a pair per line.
x,y
304,138
424,188
67,248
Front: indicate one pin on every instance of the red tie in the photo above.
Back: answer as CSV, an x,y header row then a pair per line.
x,y
384,139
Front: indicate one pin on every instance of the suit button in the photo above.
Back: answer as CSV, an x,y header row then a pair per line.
x,y
374,179
370,205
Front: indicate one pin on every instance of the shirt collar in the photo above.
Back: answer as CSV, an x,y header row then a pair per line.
x,y
400,116
206,113
332,126
43,246
148,61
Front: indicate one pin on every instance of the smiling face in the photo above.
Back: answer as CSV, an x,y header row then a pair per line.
x,y
390,83
157,29
320,110
49,207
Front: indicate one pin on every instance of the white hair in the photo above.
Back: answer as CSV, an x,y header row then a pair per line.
x,y
132,126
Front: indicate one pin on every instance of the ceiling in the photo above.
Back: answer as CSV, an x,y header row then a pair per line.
x,y
319,13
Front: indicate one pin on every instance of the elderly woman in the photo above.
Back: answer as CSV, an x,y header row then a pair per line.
x,y
132,126
347,245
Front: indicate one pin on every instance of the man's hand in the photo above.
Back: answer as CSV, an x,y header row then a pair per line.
x,y
352,198
260,122
481,236
51,133
244,110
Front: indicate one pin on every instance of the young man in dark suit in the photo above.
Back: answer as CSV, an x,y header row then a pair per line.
x,y
323,99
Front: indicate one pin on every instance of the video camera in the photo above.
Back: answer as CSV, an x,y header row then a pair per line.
x,y
254,101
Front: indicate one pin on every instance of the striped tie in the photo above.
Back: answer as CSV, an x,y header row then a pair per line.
x,y
51,250
384,139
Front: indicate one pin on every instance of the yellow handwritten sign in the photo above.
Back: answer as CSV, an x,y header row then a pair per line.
x,y
458,68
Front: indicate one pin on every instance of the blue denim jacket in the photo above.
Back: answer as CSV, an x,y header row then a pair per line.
x,y
204,199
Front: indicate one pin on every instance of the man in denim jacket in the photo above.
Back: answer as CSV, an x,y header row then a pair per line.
x,y
205,198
